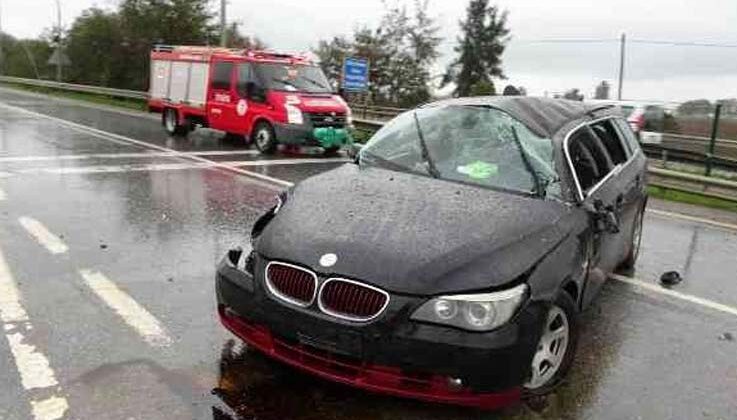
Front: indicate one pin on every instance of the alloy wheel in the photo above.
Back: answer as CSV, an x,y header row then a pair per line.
x,y
170,122
551,349
263,138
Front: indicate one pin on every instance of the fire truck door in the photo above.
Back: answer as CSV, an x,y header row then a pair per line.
x,y
222,99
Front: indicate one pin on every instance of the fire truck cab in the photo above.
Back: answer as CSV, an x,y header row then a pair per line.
x,y
262,97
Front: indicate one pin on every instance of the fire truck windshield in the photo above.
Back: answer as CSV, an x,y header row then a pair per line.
x,y
295,78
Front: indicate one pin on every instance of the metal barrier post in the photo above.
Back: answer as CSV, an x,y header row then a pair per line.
x,y
712,141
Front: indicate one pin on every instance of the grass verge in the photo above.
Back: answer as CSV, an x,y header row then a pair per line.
x,y
679,196
134,104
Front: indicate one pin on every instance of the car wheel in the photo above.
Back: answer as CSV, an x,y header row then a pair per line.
x,y
171,123
556,348
634,252
264,138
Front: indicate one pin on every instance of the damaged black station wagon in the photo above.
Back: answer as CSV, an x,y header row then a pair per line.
x,y
450,261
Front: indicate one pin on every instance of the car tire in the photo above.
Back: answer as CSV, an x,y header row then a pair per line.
x,y
635,243
560,338
264,138
170,120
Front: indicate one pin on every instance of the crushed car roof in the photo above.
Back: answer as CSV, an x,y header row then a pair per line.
x,y
544,116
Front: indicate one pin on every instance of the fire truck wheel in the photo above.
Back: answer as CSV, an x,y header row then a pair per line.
x,y
264,138
171,123
331,151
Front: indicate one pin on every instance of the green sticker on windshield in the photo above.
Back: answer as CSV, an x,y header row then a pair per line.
x,y
479,170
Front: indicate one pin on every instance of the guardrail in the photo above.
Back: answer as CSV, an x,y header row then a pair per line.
x,y
72,87
371,118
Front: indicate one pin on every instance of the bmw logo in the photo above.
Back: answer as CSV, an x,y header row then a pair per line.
x,y
328,260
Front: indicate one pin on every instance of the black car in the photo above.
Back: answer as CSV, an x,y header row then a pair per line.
x,y
450,261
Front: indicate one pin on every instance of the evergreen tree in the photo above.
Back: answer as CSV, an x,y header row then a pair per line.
x,y
484,35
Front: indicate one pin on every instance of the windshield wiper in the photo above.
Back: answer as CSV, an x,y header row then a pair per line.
x,y
314,82
540,185
425,153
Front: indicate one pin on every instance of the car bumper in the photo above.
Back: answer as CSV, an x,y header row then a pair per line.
x,y
306,135
483,370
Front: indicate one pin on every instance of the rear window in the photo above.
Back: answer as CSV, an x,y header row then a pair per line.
x,y
626,110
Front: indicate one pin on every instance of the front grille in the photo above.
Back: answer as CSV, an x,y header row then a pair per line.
x,y
352,300
291,283
327,119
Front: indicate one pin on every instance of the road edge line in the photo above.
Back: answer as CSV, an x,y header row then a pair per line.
x,y
695,219
720,307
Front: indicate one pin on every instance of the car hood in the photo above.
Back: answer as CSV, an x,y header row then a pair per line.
x,y
412,234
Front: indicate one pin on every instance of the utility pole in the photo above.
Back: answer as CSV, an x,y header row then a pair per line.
x,y
622,42
2,56
58,41
223,29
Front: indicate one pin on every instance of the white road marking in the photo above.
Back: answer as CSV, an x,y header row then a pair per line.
x,y
2,194
654,288
692,219
117,137
142,167
33,367
43,236
51,408
11,159
135,315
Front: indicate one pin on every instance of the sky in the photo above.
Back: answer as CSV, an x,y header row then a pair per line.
x,y
653,72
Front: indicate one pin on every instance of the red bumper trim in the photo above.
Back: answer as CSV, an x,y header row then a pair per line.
x,y
374,378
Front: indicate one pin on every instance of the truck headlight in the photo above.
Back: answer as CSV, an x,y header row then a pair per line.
x,y
294,115
478,312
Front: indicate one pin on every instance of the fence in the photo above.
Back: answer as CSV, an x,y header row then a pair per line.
x,y
675,149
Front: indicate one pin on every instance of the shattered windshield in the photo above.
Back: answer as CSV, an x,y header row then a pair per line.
x,y
295,78
470,144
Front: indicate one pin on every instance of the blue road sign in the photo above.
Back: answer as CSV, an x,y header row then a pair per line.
x,y
355,74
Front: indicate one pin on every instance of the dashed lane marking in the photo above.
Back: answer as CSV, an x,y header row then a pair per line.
x,y
135,315
656,289
2,194
43,236
268,180
33,366
692,219
13,159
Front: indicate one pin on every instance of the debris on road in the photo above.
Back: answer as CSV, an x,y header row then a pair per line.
x,y
726,337
670,278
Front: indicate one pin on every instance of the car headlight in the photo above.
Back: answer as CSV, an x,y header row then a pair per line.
x,y
478,312
294,115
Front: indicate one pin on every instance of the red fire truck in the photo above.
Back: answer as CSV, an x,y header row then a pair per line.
x,y
262,97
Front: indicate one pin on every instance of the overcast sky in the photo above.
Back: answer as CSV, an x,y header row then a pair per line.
x,y
652,71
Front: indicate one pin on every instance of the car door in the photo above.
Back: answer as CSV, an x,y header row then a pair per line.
x,y
221,101
599,190
630,166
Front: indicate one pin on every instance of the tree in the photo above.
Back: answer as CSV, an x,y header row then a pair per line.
x,y
401,52
602,90
573,95
331,54
695,107
25,57
238,40
480,47
96,48
511,91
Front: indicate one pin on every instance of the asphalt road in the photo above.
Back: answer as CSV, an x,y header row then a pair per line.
x,y
109,234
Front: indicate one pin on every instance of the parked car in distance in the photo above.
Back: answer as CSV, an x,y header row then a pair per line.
x,y
646,119
262,97
451,261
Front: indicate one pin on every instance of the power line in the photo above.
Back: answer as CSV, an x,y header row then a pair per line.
x,y
683,43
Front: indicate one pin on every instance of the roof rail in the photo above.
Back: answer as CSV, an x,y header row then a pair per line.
x,y
598,108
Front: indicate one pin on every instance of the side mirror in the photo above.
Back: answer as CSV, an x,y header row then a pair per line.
x,y
604,217
353,151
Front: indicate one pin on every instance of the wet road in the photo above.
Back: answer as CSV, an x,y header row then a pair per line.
x,y
109,233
